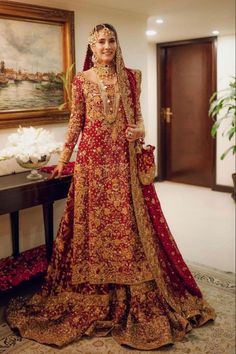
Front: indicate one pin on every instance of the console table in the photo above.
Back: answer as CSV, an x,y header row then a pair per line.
x,y
16,193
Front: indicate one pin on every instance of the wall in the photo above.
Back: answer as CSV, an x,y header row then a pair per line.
x,y
151,122
225,72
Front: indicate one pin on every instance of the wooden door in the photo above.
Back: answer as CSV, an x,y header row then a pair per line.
x,y
187,81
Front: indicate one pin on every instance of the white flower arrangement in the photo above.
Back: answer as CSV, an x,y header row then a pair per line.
x,y
30,145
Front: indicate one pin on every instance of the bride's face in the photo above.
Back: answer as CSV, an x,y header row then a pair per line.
x,y
105,47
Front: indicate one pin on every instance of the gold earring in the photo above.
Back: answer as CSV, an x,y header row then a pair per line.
x,y
94,58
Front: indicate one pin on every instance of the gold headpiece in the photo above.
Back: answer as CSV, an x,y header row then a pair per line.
x,y
93,37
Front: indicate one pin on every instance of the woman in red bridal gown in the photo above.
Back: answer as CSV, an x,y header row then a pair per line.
x,y
115,266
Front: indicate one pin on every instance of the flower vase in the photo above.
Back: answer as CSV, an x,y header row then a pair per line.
x,y
34,166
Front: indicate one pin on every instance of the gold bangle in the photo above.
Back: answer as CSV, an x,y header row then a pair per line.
x,y
62,161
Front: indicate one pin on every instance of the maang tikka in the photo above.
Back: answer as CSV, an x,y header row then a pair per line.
x,y
93,37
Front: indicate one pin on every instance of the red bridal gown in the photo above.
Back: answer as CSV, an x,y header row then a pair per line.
x,y
115,267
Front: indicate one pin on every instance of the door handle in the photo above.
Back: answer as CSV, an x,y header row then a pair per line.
x,y
166,114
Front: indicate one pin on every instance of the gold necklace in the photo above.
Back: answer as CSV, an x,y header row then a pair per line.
x,y
105,72
105,76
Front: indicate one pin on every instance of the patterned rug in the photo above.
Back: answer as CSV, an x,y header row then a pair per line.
x,y
213,338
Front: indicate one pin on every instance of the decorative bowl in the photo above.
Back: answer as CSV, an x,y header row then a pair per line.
x,y
33,166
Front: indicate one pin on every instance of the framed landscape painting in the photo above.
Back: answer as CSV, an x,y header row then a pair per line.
x,y
37,46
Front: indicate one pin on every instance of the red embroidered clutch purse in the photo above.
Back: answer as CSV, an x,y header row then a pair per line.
x,y
146,163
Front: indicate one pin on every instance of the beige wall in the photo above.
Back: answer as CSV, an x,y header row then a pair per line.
x,y
225,72
151,124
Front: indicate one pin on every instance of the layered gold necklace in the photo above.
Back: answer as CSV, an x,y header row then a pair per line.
x,y
107,81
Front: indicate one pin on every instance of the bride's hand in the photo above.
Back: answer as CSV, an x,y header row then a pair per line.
x,y
57,172
133,132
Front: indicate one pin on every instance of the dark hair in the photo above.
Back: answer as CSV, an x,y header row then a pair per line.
x,y
107,25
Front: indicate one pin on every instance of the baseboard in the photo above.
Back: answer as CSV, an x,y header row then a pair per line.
x,y
157,179
222,188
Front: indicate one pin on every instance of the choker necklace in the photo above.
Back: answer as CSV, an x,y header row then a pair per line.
x,y
106,75
105,72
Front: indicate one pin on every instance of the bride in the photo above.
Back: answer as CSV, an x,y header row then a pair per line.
x,y
115,268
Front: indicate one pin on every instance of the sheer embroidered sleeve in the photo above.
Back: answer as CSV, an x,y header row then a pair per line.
x,y
76,121
139,118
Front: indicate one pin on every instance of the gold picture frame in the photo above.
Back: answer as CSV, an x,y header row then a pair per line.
x,y
37,44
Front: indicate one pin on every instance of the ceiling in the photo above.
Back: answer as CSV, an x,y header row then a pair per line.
x,y
183,19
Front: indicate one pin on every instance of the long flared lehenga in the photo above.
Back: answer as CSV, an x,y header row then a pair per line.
x,y
115,267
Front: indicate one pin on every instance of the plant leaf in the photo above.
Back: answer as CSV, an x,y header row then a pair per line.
x,y
231,132
62,106
233,147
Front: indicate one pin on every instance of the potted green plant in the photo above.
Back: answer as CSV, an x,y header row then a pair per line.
x,y
223,111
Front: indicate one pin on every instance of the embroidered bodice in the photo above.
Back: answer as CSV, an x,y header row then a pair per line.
x,y
87,114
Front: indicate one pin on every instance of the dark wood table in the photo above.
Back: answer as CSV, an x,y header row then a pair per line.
x,y
17,192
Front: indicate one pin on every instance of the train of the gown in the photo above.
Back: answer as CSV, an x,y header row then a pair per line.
x,y
138,315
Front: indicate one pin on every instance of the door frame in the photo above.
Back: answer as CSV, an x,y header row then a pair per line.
x,y
160,99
